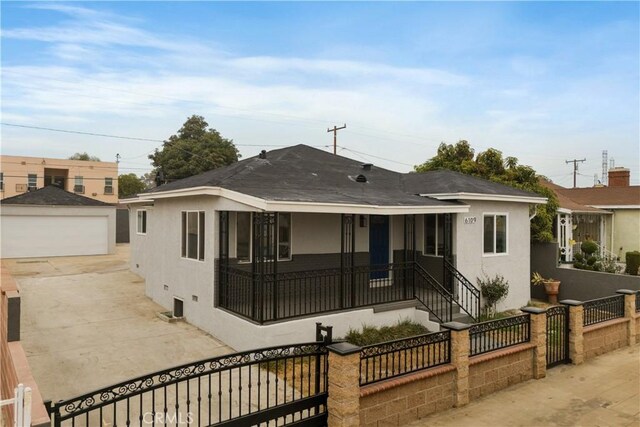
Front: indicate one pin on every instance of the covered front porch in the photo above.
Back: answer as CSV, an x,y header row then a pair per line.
x,y
574,228
275,266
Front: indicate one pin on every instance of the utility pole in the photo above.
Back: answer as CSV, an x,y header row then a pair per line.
x,y
575,168
335,135
117,158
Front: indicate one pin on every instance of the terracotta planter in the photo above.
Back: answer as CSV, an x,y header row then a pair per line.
x,y
552,289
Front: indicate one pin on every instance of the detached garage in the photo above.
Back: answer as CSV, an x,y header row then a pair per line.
x,y
54,222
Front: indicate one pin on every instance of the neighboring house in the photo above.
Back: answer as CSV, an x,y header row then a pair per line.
x,y
256,252
576,223
51,221
608,215
97,180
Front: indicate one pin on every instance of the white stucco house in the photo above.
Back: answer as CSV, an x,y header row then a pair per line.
x,y
256,252
51,221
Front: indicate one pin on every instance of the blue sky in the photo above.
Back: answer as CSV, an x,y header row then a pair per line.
x,y
544,82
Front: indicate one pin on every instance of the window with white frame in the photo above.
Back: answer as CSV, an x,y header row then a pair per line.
x,y
1,181
434,234
141,225
193,235
244,237
495,233
78,186
32,181
108,186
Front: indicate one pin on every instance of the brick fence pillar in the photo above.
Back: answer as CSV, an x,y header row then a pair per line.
x,y
343,403
538,334
576,327
629,313
460,350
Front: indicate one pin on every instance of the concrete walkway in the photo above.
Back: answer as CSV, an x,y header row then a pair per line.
x,y
604,391
86,323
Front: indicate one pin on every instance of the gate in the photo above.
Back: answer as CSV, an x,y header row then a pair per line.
x,y
275,386
557,335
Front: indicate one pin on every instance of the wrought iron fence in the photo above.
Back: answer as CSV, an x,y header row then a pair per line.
x,y
394,358
603,309
496,334
280,385
285,295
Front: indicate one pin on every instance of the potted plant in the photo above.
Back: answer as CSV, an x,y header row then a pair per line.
x,y
551,286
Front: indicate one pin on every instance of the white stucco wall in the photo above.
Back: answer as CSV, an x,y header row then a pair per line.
x,y
156,256
514,265
38,231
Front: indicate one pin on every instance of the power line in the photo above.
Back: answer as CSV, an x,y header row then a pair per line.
x,y
335,135
377,157
575,168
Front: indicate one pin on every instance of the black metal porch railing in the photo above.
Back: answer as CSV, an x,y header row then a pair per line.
x,y
497,334
603,309
398,357
467,296
286,295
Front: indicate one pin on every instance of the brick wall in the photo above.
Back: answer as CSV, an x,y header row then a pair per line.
x,y
499,369
605,337
401,400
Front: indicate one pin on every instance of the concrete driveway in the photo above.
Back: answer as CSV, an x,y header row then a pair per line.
x,y
86,323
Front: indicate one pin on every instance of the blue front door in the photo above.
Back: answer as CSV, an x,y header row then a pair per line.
x,y
378,245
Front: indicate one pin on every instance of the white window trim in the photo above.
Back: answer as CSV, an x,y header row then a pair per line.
x,y
289,258
146,220
494,254
424,240
198,234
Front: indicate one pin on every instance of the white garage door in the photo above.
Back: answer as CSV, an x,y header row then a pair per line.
x,y
41,236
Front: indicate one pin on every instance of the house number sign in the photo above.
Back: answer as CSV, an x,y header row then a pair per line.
x,y
469,219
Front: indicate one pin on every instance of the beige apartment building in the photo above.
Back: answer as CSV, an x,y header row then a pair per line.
x,y
97,180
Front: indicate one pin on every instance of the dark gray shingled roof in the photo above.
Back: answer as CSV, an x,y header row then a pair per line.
x,y
52,196
305,174
450,182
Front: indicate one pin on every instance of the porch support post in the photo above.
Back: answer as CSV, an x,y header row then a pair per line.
x,y
222,293
447,256
352,260
342,241
273,235
256,260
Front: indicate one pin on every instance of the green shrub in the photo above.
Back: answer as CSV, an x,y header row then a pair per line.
x,y
493,291
591,260
372,335
589,247
633,262
579,257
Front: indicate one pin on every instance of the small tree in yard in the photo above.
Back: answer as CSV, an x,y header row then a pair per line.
x,y
129,185
493,291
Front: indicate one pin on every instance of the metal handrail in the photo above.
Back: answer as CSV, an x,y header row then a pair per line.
x,y
469,299
443,315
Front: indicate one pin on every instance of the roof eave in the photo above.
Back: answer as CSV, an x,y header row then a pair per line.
x,y
487,197
291,206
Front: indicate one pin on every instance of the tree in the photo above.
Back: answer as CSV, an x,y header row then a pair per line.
x,y
491,165
129,185
84,156
195,149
